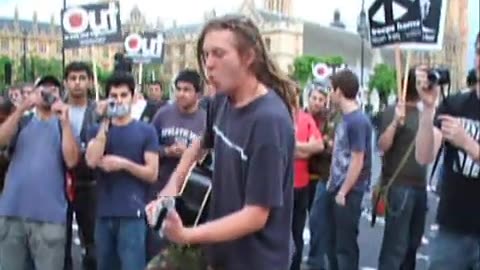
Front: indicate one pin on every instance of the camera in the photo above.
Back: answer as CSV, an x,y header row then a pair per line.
x,y
164,205
48,98
115,110
438,76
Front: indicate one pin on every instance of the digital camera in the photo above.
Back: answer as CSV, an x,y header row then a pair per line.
x,y
438,76
164,205
115,110
48,98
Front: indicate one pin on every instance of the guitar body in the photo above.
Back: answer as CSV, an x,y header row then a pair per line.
x,y
192,203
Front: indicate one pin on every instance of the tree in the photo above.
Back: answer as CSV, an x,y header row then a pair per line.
x,y
303,66
3,61
38,67
384,81
333,61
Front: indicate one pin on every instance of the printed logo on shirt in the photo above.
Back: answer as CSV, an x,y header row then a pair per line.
x,y
180,135
229,143
468,167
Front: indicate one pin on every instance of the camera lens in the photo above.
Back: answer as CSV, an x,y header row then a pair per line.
x,y
433,77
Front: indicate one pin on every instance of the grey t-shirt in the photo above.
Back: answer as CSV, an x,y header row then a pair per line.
x,y
253,148
353,134
174,126
76,119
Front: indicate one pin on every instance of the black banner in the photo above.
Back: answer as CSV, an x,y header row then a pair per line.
x,y
407,22
94,24
145,47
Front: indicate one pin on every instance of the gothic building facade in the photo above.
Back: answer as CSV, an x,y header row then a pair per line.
x,y
285,36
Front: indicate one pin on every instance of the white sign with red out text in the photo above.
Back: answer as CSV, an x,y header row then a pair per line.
x,y
93,24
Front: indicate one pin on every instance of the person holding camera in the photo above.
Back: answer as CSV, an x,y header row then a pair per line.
x,y
125,152
404,180
33,206
455,124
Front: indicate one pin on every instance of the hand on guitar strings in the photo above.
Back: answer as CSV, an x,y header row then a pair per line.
x,y
174,230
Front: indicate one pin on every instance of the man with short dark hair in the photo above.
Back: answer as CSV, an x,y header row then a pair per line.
x,y
78,81
350,172
125,153
155,93
455,124
178,125
15,95
33,206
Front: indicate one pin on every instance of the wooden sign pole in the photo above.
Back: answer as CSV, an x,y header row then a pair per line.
x,y
398,68
140,76
405,78
95,75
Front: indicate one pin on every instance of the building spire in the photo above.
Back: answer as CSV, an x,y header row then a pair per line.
x,y
16,13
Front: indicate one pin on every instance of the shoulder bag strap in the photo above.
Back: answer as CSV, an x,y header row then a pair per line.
x,y
400,166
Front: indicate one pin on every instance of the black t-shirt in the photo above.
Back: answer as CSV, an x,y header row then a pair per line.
x,y
253,148
412,173
460,192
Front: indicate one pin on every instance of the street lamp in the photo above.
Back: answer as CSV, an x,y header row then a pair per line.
x,y
362,29
24,60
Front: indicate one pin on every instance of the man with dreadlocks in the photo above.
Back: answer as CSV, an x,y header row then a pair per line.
x,y
253,141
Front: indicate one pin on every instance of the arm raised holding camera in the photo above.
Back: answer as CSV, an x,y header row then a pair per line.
x,y
96,146
451,129
425,148
70,149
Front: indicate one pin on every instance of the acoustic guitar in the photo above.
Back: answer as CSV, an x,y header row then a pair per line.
x,y
192,202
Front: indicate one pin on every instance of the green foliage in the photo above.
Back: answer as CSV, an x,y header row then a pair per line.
x,y
37,67
384,81
303,66
3,61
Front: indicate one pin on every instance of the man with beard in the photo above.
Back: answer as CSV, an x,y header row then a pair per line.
x,y
125,153
253,141
178,125
33,206
78,82
319,169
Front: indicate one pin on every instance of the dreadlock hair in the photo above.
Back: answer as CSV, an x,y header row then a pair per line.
x,y
248,37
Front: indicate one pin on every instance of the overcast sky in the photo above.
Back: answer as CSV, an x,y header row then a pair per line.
x,y
192,11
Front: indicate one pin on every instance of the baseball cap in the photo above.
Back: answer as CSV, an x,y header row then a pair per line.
x,y
48,79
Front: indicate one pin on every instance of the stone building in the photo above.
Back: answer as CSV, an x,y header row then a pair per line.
x,y
285,36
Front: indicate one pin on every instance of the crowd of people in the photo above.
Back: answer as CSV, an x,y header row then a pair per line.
x,y
277,164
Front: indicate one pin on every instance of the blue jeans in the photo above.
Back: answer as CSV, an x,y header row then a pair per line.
x,y
319,230
451,250
404,227
343,251
120,243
